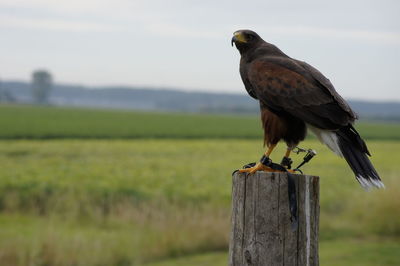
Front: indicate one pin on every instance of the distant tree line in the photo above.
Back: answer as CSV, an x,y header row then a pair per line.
x,y
41,86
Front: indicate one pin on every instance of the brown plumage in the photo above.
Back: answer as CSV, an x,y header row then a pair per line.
x,y
288,128
295,96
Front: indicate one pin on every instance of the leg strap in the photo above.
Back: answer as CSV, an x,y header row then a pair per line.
x,y
287,162
265,160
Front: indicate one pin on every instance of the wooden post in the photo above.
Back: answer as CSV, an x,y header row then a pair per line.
x,y
261,233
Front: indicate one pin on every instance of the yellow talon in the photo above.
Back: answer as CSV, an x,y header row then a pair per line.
x,y
257,167
261,167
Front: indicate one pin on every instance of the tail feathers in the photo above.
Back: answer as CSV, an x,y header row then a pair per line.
x,y
355,152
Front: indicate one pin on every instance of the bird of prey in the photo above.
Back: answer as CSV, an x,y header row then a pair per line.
x,y
294,97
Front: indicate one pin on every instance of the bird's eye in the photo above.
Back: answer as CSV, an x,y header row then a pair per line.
x,y
249,37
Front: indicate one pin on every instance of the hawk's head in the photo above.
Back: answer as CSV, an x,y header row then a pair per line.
x,y
245,40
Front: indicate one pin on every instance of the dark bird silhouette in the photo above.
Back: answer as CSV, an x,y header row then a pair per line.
x,y
294,97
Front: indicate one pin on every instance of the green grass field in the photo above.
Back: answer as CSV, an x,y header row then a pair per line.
x,y
164,202
28,122
374,252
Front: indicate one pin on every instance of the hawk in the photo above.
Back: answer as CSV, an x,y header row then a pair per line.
x,y
294,97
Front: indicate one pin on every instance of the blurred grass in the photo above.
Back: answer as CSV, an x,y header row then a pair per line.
x,y
208,259
32,122
355,252
128,202
165,193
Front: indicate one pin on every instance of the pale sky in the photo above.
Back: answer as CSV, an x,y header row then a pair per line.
x,y
186,44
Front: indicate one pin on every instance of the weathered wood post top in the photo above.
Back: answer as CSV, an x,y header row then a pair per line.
x,y
261,232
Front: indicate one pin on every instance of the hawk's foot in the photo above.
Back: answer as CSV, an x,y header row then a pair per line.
x,y
257,167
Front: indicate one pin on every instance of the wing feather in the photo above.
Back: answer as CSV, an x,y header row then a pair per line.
x,y
326,83
286,85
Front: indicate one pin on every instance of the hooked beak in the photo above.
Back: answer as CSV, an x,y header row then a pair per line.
x,y
238,37
234,40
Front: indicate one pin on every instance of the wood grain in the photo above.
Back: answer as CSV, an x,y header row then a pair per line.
x,y
261,232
